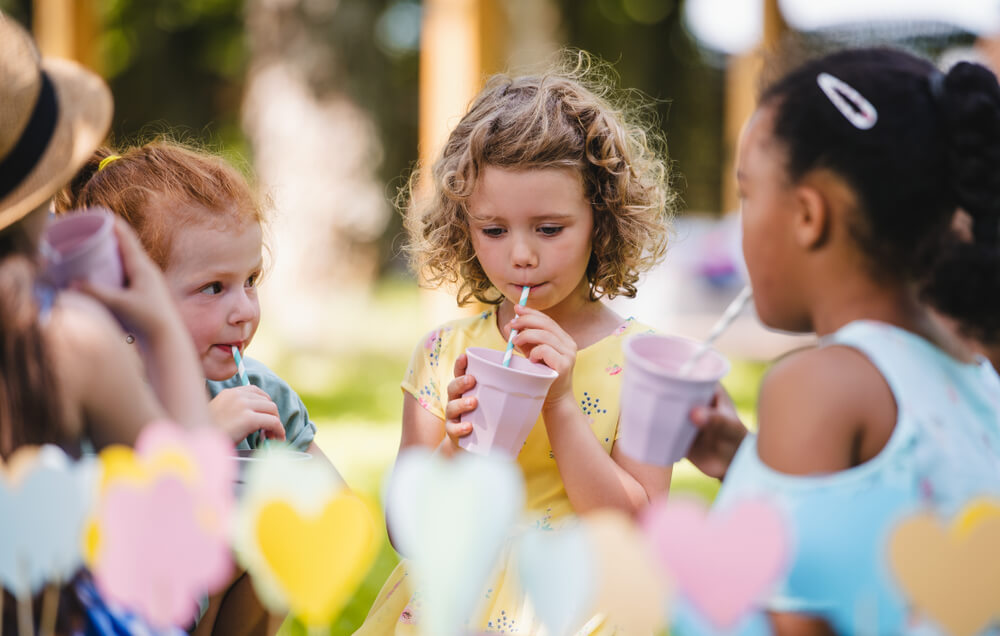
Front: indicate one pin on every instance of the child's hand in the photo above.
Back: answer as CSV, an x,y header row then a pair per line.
x,y
543,340
720,434
144,305
457,405
241,410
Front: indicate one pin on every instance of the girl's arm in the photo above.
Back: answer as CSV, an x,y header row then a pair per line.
x,y
100,380
423,428
147,308
591,477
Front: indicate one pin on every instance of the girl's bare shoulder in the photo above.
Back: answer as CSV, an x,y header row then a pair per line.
x,y
818,407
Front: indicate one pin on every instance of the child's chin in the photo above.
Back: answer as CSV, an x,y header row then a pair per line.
x,y
216,375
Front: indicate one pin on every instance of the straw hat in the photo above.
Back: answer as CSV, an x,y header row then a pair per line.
x,y
46,135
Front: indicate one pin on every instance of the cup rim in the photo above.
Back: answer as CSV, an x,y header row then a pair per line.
x,y
254,454
106,226
543,371
649,367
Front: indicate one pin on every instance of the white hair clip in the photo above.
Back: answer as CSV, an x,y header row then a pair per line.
x,y
855,108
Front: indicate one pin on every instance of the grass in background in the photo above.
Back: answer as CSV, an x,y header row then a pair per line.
x,y
357,411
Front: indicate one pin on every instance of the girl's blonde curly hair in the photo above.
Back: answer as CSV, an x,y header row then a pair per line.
x,y
569,117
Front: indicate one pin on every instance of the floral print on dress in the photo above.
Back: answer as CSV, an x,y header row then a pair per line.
x,y
433,345
622,328
614,369
502,624
429,395
591,405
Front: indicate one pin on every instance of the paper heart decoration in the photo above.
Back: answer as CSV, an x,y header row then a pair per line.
x,y
208,449
451,518
44,499
306,541
157,557
952,575
200,458
631,591
319,560
558,572
724,562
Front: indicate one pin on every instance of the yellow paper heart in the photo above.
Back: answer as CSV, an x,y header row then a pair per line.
x,y
318,560
120,463
951,574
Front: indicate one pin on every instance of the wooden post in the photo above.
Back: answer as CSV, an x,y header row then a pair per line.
x,y
67,29
742,73
462,41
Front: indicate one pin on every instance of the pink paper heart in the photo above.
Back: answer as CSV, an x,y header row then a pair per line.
x,y
211,451
723,563
157,558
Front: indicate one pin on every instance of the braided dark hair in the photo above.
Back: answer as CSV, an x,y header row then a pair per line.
x,y
934,150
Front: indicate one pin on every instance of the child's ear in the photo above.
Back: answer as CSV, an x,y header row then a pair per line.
x,y
812,218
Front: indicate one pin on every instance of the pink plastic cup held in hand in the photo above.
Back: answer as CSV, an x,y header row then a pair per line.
x,y
510,400
82,246
656,399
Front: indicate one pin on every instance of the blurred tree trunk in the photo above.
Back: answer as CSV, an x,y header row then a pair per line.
x,y
67,29
316,153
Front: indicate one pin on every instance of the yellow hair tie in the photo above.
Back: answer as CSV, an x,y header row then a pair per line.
x,y
107,160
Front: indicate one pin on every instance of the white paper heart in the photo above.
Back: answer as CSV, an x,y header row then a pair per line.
x,y
451,518
558,572
45,509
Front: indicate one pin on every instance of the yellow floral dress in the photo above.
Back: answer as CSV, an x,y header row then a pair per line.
x,y
596,383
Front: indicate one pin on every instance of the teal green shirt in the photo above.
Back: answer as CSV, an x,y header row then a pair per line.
x,y
299,430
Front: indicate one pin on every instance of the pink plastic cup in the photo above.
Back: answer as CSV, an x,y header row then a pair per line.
x,y
656,400
82,246
510,400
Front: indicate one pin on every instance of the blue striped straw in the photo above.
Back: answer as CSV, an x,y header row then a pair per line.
x,y
242,370
513,332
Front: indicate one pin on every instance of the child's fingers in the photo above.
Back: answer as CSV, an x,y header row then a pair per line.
x,y
526,318
264,405
457,430
460,386
461,363
455,409
131,250
531,338
547,356
270,424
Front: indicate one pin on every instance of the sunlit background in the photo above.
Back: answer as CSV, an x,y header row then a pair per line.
x,y
331,102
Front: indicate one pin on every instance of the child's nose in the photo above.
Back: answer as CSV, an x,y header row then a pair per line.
x,y
245,308
523,254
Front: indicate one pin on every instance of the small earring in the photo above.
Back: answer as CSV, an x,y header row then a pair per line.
x,y
129,338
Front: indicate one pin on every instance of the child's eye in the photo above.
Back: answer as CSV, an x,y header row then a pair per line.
x,y
550,230
211,289
252,281
493,231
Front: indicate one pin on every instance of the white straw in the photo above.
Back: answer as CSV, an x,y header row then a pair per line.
x,y
513,332
734,309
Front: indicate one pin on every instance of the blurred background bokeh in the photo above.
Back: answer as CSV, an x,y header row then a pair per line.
x,y
330,103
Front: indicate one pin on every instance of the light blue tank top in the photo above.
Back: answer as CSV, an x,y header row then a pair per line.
x,y
944,451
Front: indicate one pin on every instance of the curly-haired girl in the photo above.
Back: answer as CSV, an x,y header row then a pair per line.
x,y
549,183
